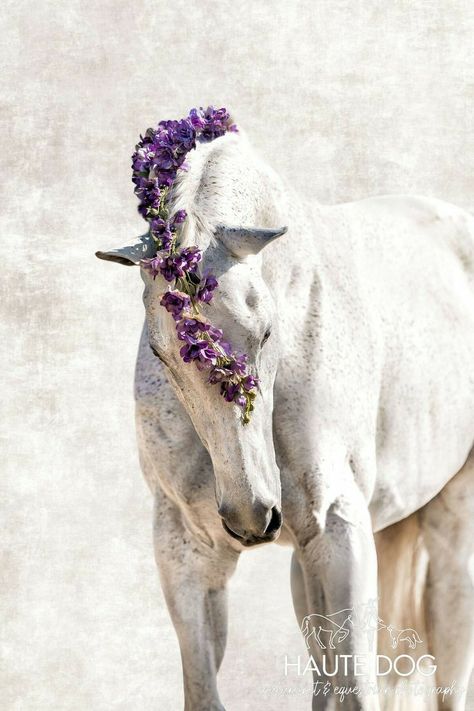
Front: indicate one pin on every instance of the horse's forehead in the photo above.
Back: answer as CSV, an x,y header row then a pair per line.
x,y
242,296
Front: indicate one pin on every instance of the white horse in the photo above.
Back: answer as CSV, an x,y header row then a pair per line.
x,y
359,322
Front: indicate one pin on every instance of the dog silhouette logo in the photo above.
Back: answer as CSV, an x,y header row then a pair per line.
x,y
405,635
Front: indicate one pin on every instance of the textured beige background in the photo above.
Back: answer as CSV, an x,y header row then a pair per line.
x,y
347,99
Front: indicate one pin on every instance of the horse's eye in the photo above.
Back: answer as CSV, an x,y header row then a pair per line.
x,y
267,335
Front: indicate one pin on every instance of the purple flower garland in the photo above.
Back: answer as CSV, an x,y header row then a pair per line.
x,y
156,161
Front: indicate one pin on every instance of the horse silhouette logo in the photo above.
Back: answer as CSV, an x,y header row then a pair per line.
x,y
405,635
333,626
330,630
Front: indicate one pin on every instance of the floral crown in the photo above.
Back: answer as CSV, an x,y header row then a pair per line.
x,y
158,157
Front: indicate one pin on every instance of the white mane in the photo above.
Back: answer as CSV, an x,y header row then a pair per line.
x,y
194,181
227,183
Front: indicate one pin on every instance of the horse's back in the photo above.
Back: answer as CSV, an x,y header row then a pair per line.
x,y
412,259
432,224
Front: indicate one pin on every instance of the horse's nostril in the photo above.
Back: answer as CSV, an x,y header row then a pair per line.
x,y
274,523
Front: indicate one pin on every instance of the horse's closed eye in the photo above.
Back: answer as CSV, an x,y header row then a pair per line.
x,y
267,335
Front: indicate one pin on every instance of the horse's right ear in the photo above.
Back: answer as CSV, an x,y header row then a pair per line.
x,y
243,241
142,248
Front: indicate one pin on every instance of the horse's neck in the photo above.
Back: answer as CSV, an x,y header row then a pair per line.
x,y
291,266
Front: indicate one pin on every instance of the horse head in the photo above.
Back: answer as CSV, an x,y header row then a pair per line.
x,y
234,206
305,626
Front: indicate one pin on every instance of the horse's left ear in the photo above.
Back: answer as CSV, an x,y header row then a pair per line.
x,y
243,241
131,255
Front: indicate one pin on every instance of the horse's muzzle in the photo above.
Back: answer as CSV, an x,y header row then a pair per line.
x,y
248,538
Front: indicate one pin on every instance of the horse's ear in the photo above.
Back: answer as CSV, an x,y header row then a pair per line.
x,y
242,241
131,255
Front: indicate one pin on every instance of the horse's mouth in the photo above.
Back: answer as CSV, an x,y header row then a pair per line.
x,y
249,541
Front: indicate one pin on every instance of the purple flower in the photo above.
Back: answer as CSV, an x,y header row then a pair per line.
x,y
161,230
226,347
229,390
238,364
240,400
153,264
206,288
233,392
219,374
150,135
158,157
143,185
165,164
184,135
166,178
197,120
149,195
159,226
214,333
202,352
142,158
249,382
171,268
189,328
162,151
175,302
211,123
177,265
179,217
189,258
179,134
165,159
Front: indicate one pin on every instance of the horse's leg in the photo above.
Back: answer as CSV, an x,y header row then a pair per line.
x,y
298,591
448,530
300,604
318,637
340,567
193,577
